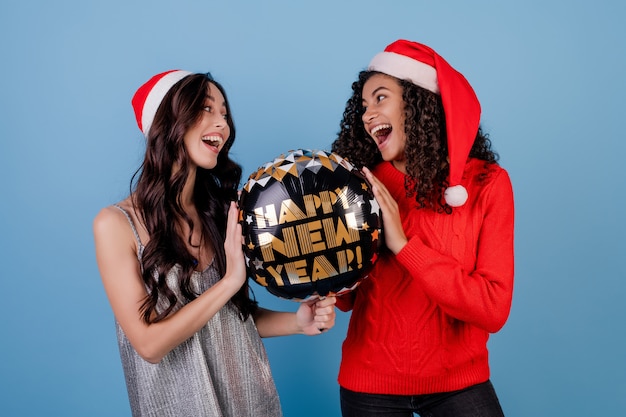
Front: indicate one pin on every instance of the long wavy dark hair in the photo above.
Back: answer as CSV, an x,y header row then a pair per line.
x,y
426,148
158,185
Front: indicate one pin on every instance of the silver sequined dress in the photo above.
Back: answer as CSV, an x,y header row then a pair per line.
x,y
221,371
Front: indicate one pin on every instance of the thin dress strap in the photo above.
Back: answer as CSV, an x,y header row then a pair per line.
x,y
140,246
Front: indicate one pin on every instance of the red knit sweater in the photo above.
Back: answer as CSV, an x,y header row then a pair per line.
x,y
421,320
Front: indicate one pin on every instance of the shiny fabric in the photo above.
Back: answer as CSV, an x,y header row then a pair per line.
x,y
222,370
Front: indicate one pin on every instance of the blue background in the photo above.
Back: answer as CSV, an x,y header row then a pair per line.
x,y
549,74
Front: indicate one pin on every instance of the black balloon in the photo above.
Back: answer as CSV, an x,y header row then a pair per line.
x,y
311,225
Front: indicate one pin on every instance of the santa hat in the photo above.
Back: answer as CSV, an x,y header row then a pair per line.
x,y
148,97
422,66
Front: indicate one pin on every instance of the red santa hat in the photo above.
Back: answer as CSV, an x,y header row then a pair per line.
x,y
148,97
422,66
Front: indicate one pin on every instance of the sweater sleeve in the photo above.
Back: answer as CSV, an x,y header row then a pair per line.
x,y
481,296
345,301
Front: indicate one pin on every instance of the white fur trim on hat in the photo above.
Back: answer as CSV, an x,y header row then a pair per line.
x,y
156,95
405,68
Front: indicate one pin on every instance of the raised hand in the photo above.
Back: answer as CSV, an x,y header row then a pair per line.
x,y
395,239
235,262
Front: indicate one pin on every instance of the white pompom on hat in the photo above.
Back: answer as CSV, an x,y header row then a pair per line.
x,y
422,66
149,96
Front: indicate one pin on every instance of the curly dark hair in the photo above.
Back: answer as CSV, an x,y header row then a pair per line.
x,y
157,197
426,148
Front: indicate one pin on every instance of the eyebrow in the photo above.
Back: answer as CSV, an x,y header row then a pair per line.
x,y
376,90
210,97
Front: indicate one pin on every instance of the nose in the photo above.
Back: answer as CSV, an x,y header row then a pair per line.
x,y
368,116
220,121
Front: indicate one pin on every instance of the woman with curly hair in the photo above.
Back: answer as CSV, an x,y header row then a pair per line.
x,y
171,261
418,332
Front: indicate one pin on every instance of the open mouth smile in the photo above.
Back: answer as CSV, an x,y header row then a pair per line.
x,y
381,132
214,141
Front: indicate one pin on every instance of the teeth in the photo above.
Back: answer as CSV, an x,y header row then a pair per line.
x,y
213,140
380,127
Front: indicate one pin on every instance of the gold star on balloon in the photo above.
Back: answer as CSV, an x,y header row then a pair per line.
x,y
261,280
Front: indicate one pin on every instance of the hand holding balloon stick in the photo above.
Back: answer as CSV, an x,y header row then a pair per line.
x,y
311,225
315,316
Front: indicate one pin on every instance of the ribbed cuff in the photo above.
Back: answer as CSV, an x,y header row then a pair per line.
x,y
356,378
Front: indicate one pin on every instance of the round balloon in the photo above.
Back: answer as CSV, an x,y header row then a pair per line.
x,y
311,225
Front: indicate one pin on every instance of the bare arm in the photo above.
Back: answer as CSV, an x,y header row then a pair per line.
x,y
312,318
120,273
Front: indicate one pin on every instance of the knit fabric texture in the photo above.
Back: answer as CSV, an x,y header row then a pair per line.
x,y
421,321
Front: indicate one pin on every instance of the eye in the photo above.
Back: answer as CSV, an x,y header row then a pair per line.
x,y
225,116
380,98
208,109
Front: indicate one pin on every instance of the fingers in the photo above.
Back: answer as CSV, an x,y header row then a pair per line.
x,y
233,211
395,237
380,191
316,315
326,302
325,314
233,217
235,263
234,234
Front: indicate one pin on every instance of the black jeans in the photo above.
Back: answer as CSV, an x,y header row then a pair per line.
x,y
479,400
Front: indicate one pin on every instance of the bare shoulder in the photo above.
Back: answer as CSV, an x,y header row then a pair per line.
x,y
111,221
107,217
